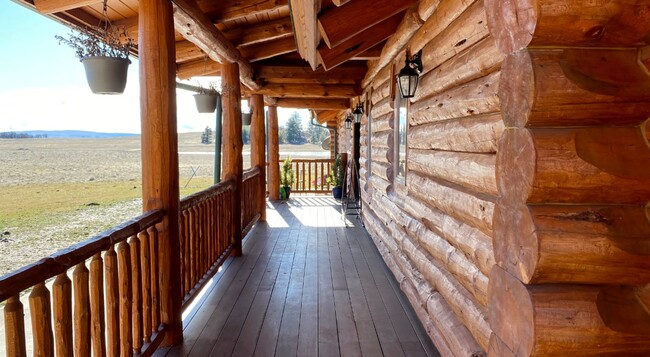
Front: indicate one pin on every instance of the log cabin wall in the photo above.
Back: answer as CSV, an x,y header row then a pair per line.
x,y
522,225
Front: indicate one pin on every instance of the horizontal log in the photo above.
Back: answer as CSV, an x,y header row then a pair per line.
x,y
385,171
295,74
198,68
384,107
473,243
477,97
476,172
382,140
382,76
283,90
465,31
377,183
450,199
53,6
314,103
576,244
220,11
553,320
382,123
574,87
573,166
454,261
382,91
262,32
382,155
582,23
269,49
446,12
470,312
478,61
474,134
426,8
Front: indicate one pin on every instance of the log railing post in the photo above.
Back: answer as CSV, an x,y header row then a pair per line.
x,y
258,157
274,155
160,151
232,144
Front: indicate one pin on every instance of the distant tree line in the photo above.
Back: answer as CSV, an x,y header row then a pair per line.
x,y
292,133
15,135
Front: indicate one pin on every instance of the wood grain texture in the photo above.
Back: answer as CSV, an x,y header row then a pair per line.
x,y
14,324
274,155
582,23
478,134
258,150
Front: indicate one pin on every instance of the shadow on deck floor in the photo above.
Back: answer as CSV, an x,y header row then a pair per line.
x,y
306,286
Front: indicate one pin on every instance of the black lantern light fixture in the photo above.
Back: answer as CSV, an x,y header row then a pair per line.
x,y
348,122
357,113
408,77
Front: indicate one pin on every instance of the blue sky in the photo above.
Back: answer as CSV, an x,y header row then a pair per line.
x,y
43,84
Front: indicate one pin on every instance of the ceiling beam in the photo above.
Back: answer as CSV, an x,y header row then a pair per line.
x,y
304,15
198,68
264,50
340,2
323,116
341,23
370,54
332,57
53,6
308,90
294,74
220,11
314,103
198,29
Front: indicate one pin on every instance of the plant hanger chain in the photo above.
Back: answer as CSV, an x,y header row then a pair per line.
x,y
105,21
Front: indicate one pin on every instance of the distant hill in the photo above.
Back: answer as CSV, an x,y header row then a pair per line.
x,y
72,134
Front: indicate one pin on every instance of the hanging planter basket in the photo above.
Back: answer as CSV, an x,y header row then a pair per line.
x,y
206,103
106,75
246,118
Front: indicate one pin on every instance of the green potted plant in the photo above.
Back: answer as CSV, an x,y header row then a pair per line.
x,y
287,177
206,98
104,53
336,178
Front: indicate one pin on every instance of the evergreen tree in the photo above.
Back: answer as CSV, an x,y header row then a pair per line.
x,y
282,135
246,134
206,137
294,129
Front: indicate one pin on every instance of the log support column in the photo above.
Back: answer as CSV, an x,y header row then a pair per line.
x,y
232,144
274,155
160,150
258,157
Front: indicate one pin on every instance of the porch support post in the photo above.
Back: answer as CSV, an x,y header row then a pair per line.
x,y
274,154
160,150
258,155
232,143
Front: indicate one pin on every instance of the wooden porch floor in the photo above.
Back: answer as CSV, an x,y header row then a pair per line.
x,y
306,286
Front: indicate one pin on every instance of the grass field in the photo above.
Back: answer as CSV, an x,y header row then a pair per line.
x,y
56,192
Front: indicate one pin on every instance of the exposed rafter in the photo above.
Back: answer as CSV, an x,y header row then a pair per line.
x,y
341,23
314,103
198,29
53,6
303,14
219,11
308,90
332,57
294,74
264,50
198,68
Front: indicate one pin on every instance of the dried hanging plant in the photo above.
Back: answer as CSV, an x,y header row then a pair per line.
x,y
104,40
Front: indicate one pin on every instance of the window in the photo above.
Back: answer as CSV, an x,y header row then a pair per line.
x,y
401,110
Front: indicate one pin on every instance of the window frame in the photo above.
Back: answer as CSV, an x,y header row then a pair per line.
x,y
398,104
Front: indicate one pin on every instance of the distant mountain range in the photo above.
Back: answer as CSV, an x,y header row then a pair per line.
x,y
72,134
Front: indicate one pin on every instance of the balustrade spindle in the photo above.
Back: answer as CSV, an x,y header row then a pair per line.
x,y
97,305
39,307
124,288
14,327
80,277
146,285
136,290
62,312
155,291
112,303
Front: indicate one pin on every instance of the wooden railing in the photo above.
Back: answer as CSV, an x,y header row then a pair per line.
x,y
206,235
311,175
251,197
112,302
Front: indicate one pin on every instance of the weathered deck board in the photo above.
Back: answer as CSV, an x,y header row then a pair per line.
x,y
306,286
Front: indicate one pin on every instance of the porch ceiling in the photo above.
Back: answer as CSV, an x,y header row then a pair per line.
x,y
310,54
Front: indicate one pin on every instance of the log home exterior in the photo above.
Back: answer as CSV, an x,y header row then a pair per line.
x,y
509,197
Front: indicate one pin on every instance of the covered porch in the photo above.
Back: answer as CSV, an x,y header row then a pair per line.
x,y
306,286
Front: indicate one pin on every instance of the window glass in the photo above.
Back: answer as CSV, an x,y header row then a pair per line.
x,y
400,135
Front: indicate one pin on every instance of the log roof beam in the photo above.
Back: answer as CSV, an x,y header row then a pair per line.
x,y
197,28
264,50
370,54
220,11
304,14
314,103
295,74
308,90
198,68
332,57
54,6
339,24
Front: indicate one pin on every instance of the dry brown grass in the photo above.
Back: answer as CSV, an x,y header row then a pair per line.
x,y
56,192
